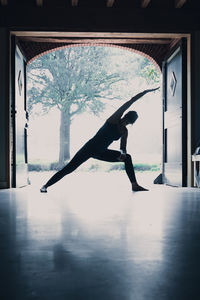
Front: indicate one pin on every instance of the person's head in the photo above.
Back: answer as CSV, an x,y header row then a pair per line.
x,y
130,117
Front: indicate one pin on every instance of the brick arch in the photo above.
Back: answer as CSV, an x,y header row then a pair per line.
x,y
135,49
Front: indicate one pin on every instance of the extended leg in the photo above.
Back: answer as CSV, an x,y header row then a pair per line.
x,y
80,157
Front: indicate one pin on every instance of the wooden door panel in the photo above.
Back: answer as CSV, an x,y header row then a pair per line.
x,y
174,119
175,147
173,174
20,151
174,83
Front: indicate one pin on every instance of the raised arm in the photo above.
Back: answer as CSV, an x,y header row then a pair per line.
x,y
114,118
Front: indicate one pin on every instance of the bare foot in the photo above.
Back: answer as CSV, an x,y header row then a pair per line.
x,y
137,188
43,189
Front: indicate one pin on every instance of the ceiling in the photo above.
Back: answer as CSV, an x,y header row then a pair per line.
x,y
153,46
109,4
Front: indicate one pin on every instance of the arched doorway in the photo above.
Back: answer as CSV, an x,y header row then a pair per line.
x,y
121,73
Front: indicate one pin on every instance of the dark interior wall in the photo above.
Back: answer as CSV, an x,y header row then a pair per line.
x,y
195,88
3,107
117,19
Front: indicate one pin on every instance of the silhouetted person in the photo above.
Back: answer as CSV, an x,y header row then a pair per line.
x,y
113,129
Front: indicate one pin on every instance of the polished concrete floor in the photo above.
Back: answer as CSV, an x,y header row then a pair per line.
x,y
91,238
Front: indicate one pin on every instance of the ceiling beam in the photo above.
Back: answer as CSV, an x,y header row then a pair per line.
x,y
179,3
145,3
4,2
74,2
110,3
97,41
39,3
106,35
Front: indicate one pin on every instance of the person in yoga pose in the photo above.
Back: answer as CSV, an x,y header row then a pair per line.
x,y
97,147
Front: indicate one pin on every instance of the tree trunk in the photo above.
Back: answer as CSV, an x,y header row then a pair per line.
x,y
64,137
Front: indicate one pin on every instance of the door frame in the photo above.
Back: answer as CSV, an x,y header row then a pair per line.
x,y
91,35
180,47
12,133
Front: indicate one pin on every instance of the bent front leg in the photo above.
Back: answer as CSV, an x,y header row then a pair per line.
x,y
129,168
115,156
108,155
131,174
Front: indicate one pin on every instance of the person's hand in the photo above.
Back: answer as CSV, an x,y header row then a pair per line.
x,y
122,156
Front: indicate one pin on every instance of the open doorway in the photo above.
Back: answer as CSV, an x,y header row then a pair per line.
x,y
77,89
142,39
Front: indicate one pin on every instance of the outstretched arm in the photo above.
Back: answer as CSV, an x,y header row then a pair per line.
x,y
114,118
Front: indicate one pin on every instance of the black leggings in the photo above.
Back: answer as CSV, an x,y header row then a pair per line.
x,y
87,152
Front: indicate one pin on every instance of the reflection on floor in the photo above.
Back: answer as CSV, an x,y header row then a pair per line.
x,y
91,238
